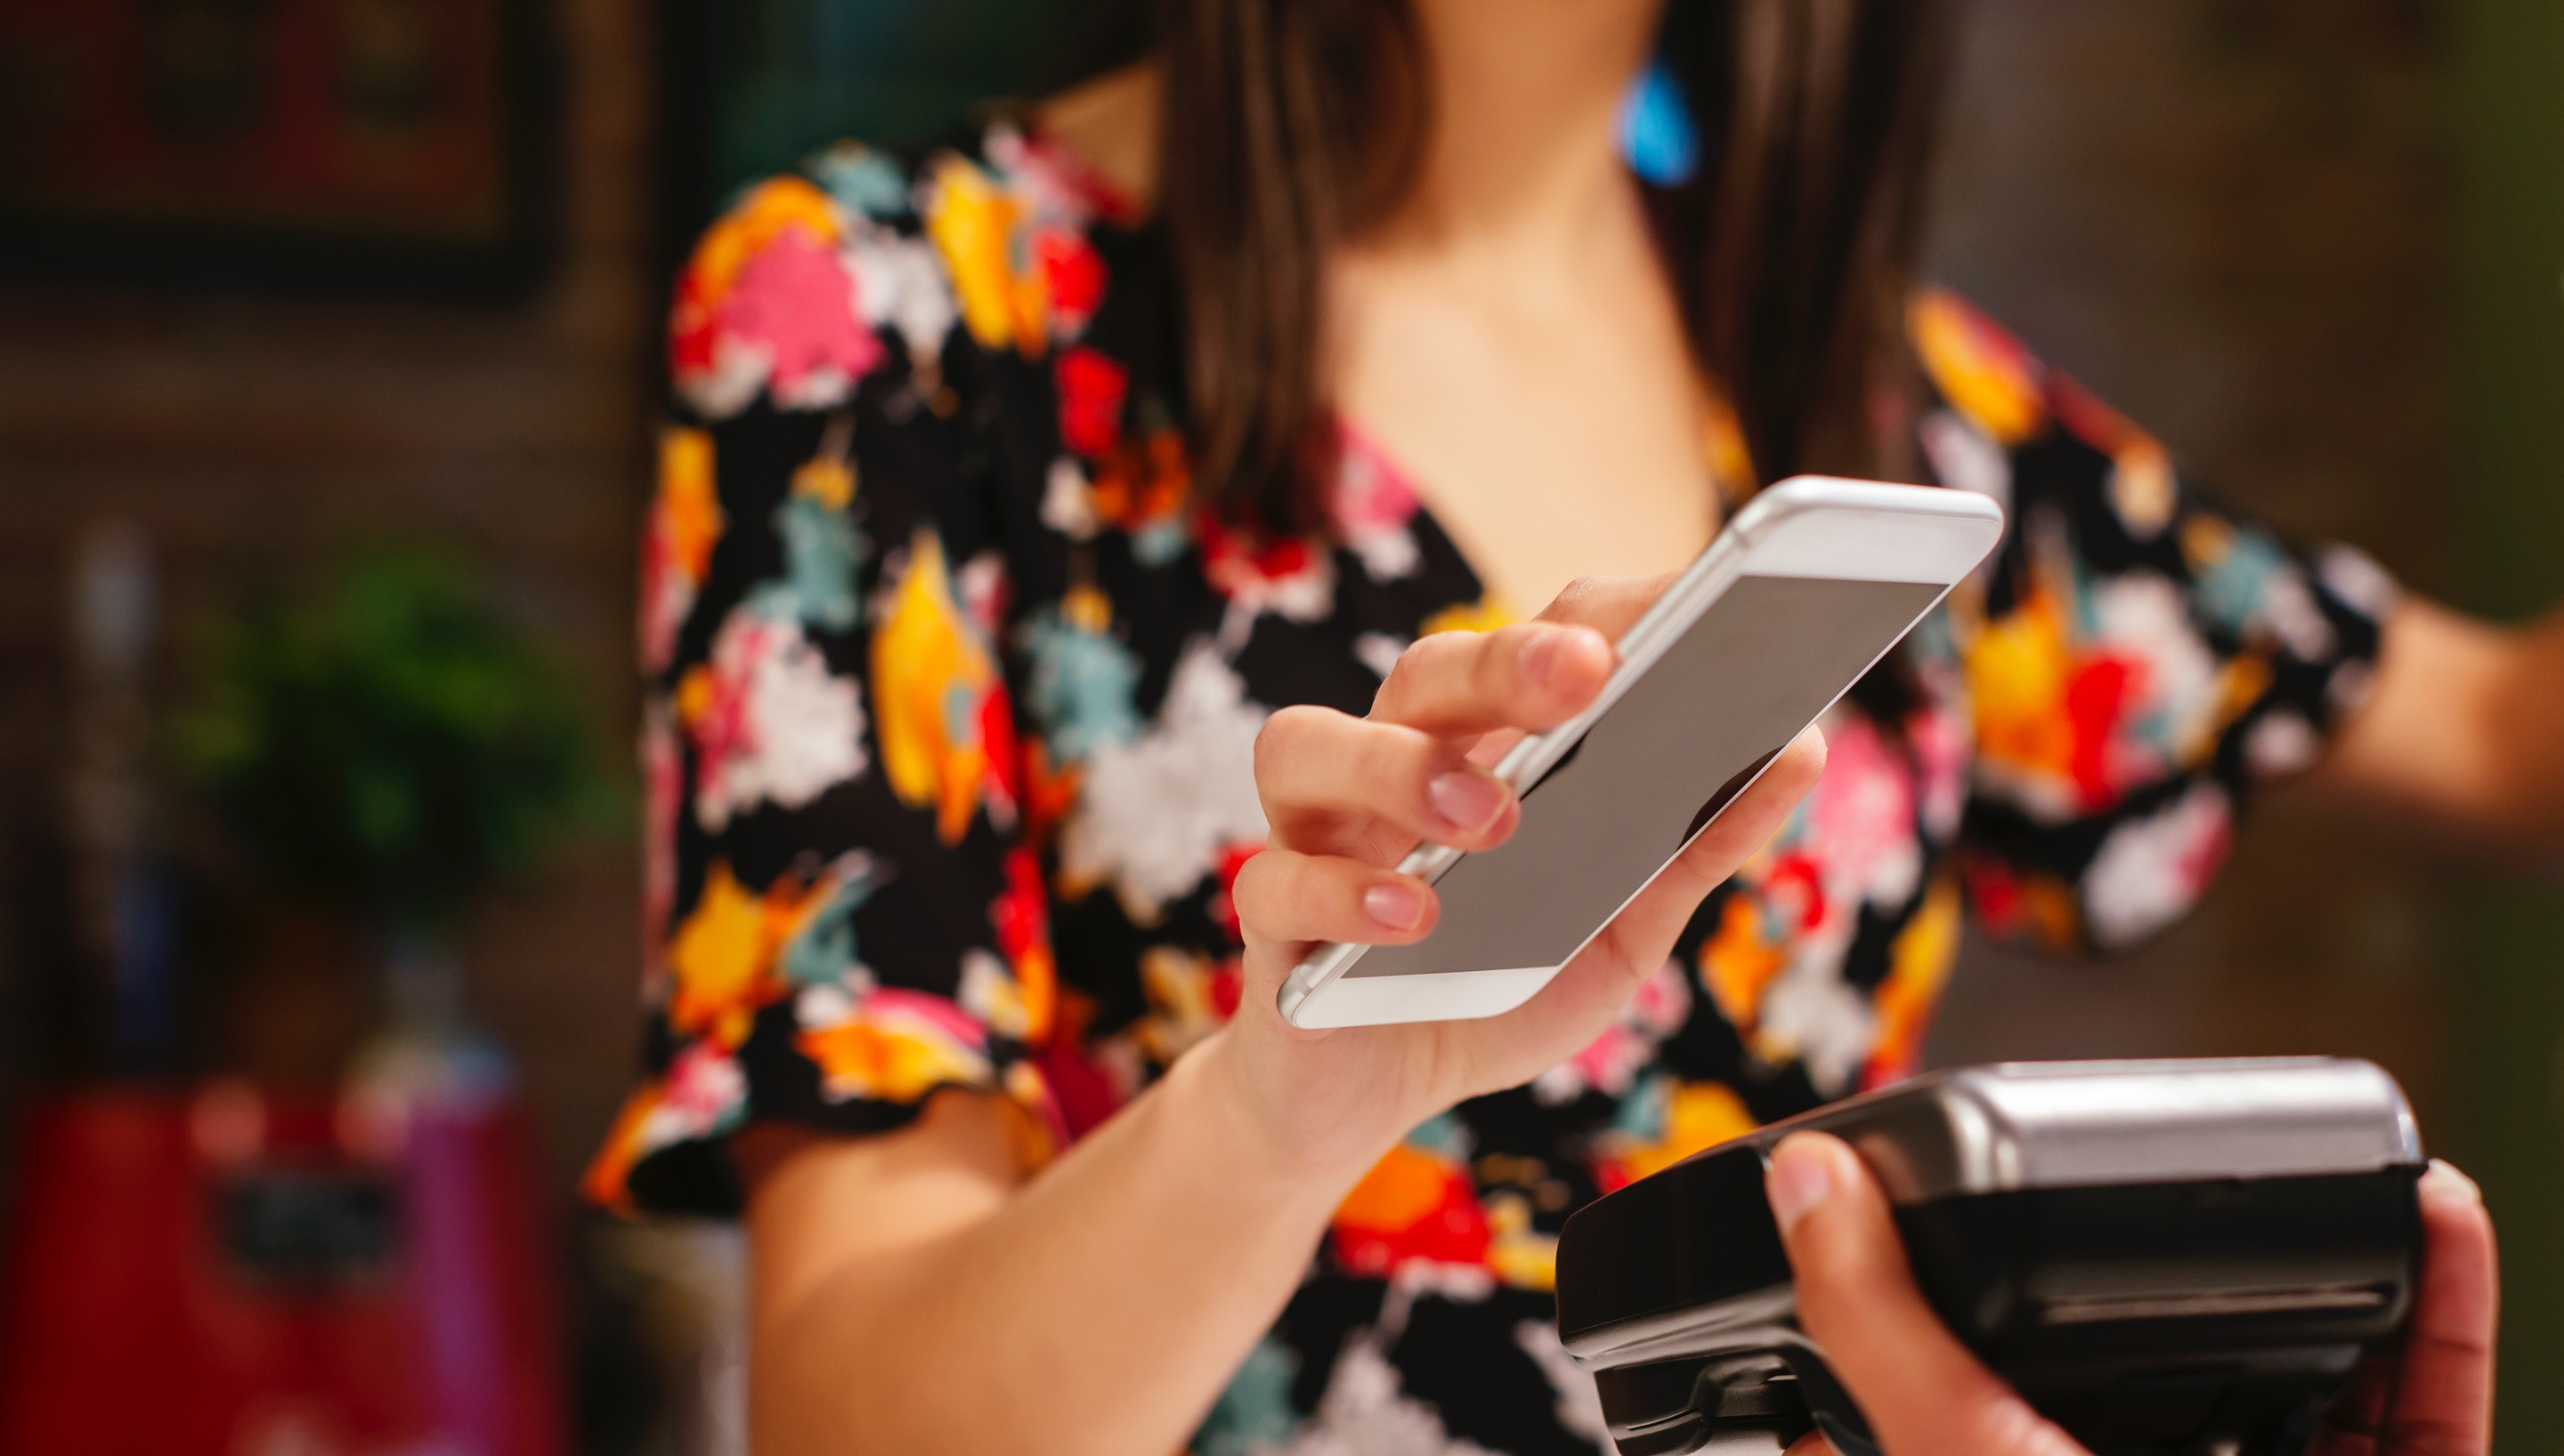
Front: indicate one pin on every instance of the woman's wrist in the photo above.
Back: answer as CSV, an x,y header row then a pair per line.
x,y
1214,1089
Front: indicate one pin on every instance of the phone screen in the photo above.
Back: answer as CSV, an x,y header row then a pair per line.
x,y
1761,664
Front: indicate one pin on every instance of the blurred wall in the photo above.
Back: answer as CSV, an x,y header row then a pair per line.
x,y
247,437
2509,518
2229,218
777,78
2317,247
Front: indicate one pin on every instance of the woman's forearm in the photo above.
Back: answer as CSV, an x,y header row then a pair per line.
x,y
2463,727
914,1294
1099,1308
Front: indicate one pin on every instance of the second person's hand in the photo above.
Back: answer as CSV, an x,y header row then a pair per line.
x,y
1924,1394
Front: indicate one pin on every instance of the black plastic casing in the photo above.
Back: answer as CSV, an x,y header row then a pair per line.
x,y
2213,1310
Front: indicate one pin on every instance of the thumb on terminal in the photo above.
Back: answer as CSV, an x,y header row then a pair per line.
x,y
1921,1391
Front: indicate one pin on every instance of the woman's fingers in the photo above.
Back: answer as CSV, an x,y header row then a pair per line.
x,y
1337,786
1921,1391
1284,896
1608,605
1345,785
1533,676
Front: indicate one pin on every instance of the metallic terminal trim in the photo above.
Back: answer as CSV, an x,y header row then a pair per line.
x,y
2105,1310
2055,1124
1764,1320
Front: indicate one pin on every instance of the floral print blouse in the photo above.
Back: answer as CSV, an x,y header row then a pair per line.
x,y
952,688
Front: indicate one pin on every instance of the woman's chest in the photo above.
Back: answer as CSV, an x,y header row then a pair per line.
x,y
1556,430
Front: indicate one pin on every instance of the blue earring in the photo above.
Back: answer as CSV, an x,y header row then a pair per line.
x,y
1657,138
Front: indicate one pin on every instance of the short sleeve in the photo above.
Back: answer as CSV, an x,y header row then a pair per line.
x,y
2136,659
841,916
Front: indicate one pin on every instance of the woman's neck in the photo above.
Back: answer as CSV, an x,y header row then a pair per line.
x,y
1525,147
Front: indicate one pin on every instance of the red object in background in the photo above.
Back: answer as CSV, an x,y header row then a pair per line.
x,y
232,1275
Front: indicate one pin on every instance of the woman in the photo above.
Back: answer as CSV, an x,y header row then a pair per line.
x,y
1044,511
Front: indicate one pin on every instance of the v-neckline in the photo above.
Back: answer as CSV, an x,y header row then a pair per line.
x,y
1724,458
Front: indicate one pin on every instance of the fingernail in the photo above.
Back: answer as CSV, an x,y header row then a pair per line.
x,y
1469,800
2442,1180
1799,1178
1539,656
1397,907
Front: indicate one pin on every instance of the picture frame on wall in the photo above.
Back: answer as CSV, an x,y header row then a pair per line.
x,y
324,145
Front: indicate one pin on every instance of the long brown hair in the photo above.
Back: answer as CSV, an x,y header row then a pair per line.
x,y
1293,124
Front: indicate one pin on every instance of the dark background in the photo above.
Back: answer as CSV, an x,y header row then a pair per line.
x,y
2317,245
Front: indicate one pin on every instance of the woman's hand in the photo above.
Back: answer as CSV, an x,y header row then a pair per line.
x,y
1924,1394
903,1277
1349,798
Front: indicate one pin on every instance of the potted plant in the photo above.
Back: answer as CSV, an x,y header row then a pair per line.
x,y
309,1256
377,755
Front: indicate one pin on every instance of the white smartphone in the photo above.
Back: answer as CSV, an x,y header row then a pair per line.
x,y
1804,591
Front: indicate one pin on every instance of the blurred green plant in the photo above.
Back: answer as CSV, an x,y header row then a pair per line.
x,y
389,746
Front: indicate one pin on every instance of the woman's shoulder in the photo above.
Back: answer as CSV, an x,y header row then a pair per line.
x,y
1986,376
864,258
